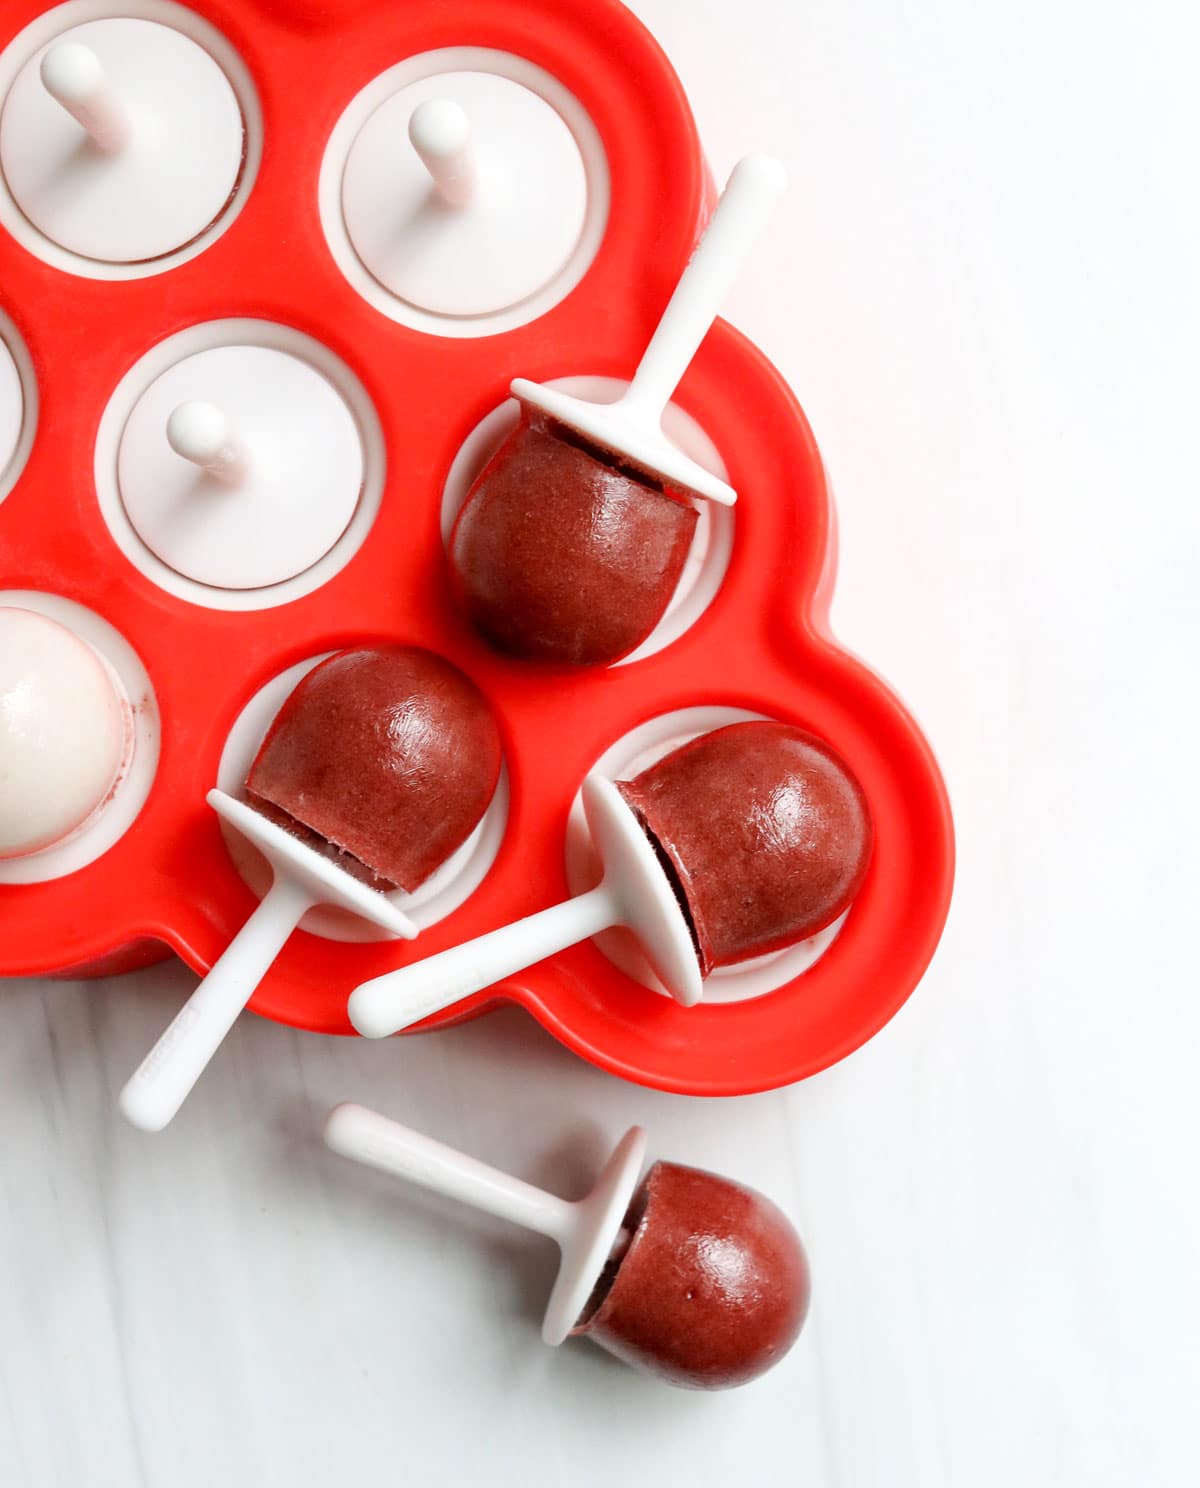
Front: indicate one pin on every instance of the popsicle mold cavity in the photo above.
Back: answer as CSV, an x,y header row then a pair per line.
x,y
707,1289
764,831
563,553
464,191
122,139
65,732
388,754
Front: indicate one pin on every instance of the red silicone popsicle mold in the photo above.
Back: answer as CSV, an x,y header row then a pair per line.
x,y
762,644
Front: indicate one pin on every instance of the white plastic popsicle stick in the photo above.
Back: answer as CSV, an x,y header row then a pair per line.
x,y
200,432
74,76
635,892
440,133
633,425
585,1230
160,1085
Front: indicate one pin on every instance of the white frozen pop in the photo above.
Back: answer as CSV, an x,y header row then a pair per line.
x,y
586,1231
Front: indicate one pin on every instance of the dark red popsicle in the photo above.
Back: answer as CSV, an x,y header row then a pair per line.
x,y
562,552
764,831
388,753
712,1289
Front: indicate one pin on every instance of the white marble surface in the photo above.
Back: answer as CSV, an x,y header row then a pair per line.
x,y
984,289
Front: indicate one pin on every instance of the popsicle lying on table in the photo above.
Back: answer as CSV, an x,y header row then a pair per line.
x,y
689,1277
378,767
738,843
573,538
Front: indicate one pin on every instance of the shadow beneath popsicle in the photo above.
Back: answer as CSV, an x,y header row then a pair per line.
x,y
523,1265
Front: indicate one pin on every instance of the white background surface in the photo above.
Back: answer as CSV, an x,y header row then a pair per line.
x,y
984,289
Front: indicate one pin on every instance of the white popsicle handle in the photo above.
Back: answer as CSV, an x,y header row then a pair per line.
x,y
401,998
440,133
754,187
161,1084
74,76
372,1139
200,432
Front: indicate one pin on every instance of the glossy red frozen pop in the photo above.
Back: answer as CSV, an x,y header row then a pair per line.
x,y
740,842
573,538
388,754
764,831
377,768
689,1277
561,555
708,1285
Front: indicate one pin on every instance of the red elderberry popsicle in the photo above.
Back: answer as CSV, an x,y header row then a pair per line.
x,y
688,1277
574,536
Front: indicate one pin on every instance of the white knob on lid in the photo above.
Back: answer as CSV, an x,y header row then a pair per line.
x,y
166,132
74,76
199,432
440,133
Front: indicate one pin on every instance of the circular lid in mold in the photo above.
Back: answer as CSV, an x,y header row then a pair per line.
x,y
240,466
464,193
121,140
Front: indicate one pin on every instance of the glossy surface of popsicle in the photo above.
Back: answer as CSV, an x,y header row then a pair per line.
x,y
564,554
709,1289
764,831
387,753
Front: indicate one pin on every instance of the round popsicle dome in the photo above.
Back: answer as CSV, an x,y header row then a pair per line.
x,y
122,140
240,466
711,1287
764,831
64,732
387,754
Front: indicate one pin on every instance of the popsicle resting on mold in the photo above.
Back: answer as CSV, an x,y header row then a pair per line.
x,y
377,768
688,1277
573,538
738,843
65,732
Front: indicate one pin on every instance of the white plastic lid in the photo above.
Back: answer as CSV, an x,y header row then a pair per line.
x,y
122,140
240,466
464,193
